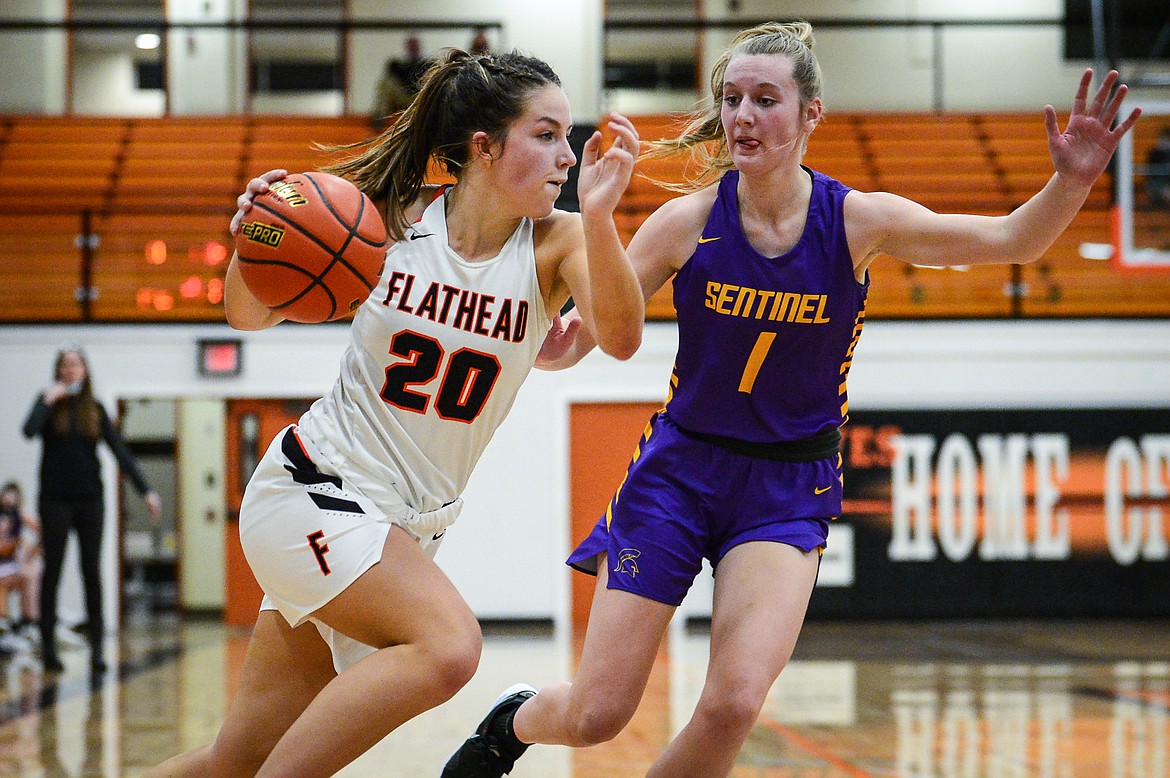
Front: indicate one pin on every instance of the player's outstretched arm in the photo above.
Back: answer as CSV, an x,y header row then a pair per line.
x,y
878,222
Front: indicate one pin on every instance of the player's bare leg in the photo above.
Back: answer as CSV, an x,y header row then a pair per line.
x,y
429,646
608,684
761,596
283,671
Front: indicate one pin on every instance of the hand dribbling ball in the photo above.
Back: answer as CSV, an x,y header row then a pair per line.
x,y
312,247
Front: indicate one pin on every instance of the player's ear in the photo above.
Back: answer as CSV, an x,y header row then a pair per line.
x,y
812,114
481,146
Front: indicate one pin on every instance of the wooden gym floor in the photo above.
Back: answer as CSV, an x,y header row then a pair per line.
x,y
972,699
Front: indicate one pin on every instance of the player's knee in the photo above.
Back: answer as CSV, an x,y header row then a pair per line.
x,y
600,721
731,712
454,659
235,757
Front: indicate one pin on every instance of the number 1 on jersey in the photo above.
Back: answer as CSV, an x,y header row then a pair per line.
x,y
756,361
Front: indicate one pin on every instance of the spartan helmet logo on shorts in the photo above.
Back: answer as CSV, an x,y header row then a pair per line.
x,y
627,562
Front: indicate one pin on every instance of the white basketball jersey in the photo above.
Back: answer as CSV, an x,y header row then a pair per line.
x,y
437,354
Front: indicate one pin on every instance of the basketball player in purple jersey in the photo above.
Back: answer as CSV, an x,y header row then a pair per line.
x,y
742,466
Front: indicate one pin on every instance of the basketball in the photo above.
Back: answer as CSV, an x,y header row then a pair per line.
x,y
311,247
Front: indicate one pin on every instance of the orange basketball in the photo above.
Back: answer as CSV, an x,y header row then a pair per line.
x,y
312,247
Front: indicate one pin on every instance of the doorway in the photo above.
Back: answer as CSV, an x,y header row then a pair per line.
x,y
602,437
251,426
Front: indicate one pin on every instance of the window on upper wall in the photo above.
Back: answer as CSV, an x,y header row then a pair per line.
x,y
648,58
288,62
118,67
1136,30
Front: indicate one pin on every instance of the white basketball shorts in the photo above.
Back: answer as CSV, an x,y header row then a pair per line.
x,y
308,533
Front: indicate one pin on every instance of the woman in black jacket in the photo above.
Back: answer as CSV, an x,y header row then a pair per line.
x,y
70,422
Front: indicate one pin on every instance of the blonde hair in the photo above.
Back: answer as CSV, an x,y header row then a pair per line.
x,y
703,135
460,94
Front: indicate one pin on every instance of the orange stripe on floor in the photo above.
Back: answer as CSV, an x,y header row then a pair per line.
x,y
802,742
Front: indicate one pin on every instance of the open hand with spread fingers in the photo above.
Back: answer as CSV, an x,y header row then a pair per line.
x,y
1089,139
604,177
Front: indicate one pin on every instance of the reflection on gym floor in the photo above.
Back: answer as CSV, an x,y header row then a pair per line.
x,y
914,700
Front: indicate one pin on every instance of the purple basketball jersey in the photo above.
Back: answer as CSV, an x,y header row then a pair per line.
x,y
765,343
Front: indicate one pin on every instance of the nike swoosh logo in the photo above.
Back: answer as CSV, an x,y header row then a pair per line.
x,y
417,235
821,489
438,535
708,240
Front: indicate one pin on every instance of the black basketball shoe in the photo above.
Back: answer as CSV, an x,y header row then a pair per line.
x,y
494,748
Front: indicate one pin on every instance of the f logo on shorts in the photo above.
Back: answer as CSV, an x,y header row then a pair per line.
x,y
319,550
627,562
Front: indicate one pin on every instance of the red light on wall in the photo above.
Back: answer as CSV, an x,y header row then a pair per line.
x,y
215,291
163,301
215,253
191,288
220,357
156,252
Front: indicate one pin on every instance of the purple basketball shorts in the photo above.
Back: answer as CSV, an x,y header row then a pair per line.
x,y
685,499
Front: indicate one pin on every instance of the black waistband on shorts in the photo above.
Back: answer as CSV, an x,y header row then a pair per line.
x,y
820,446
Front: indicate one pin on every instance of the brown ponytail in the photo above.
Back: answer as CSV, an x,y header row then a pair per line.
x,y
460,94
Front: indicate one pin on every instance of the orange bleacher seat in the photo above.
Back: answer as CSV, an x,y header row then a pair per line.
x,y
133,273
254,166
195,152
1145,135
180,222
940,148
1065,284
837,127
84,150
1022,184
627,224
1019,147
39,267
163,183
56,129
211,164
310,129
41,193
55,168
149,199
977,180
653,126
916,127
214,130
899,290
1016,124
853,173
1021,163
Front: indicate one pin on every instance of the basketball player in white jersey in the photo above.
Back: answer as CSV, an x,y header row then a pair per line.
x,y
360,631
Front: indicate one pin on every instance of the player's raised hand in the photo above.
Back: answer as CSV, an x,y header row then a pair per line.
x,y
560,338
256,187
1083,150
604,177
